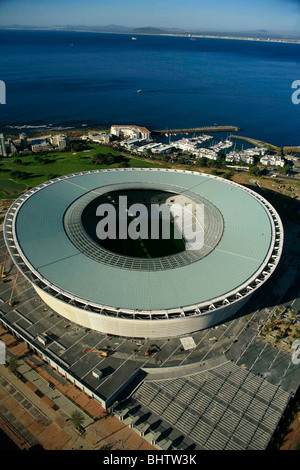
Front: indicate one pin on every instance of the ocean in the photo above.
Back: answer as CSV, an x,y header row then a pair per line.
x,y
61,80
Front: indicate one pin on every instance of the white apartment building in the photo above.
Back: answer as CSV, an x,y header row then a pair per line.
x,y
235,157
60,141
186,145
3,152
131,131
256,151
39,145
206,153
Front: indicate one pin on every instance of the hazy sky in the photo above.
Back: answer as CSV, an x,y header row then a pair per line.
x,y
222,15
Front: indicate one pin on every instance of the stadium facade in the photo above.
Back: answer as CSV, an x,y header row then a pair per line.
x,y
139,297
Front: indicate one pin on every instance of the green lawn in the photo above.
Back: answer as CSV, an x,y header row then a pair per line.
x,y
8,186
61,163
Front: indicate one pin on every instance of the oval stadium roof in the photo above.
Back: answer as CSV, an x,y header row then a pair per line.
x,y
240,256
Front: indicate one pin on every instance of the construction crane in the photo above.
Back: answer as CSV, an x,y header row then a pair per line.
x,y
11,303
97,351
6,278
2,266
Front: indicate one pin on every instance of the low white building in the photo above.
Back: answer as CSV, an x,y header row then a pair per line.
x,y
232,157
162,149
272,160
236,157
150,146
206,153
130,144
99,137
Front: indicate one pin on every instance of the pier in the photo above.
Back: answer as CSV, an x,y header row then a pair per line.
x,y
197,130
254,142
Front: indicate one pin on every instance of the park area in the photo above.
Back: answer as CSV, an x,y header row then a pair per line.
x,y
20,173
25,172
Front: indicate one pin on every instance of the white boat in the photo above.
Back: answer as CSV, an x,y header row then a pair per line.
x,y
139,91
134,39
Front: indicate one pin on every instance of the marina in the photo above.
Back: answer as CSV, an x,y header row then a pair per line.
x,y
199,146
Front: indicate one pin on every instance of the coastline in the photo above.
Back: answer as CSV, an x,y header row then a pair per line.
x,y
76,132
183,35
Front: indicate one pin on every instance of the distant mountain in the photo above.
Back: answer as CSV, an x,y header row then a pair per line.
x,y
114,27
150,30
67,27
110,27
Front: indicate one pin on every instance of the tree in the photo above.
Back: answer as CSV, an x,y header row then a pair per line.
x,y
202,162
254,170
285,169
228,175
107,159
21,175
99,158
124,164
77,419
13,364
110,159
165,158
79,145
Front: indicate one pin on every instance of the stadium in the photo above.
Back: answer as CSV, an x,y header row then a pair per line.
x,y
143,291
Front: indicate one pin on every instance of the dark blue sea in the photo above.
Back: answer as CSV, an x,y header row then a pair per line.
x,y
73,79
